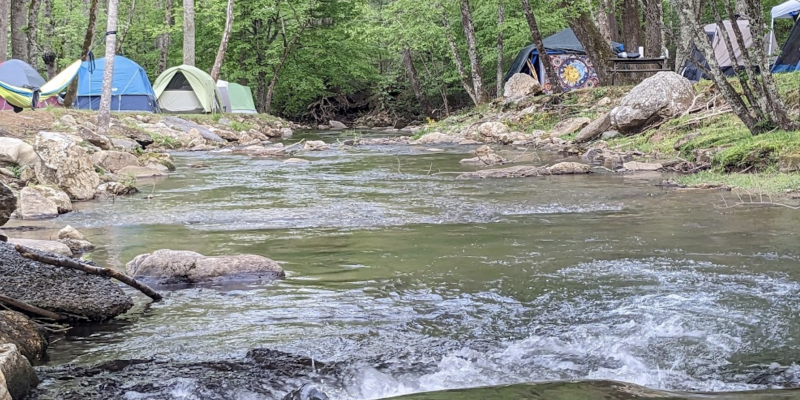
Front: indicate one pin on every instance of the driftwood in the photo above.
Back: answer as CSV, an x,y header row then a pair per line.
x,y
23,306
89,269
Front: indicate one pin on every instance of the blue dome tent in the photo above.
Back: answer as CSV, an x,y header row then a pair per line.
x,y
131,89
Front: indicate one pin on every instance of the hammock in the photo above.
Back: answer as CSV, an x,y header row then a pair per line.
x,y
28,97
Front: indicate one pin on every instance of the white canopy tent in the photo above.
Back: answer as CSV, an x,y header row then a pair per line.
x,y
787,10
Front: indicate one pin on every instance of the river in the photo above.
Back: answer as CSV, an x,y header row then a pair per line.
x,y
423,282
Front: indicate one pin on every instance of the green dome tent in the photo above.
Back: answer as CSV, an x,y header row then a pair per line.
x,y
241,99
187,89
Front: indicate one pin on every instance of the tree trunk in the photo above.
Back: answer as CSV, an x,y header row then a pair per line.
x,y
123,33
88,39
188,32
631,25
654,28
607,21
5,15
19,23
223,44
451,41
596,47
33,32
472,50
261,92
163,38
552,77
49,56
104,114
501,11
685,41
411,73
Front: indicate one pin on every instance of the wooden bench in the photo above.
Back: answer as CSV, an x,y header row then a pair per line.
x,y
617,62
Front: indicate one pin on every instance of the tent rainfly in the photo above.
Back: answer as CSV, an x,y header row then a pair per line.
x,y
787,10
725,60
789,58
22,87
574,68
131,90
241,99
186,89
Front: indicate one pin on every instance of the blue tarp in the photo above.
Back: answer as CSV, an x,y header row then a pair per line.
x,y
131,89
789,60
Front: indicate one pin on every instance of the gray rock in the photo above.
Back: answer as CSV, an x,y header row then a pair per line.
x,y
56,195
60,289
296,161
436,138
17,377
306,392
125,144
140,137
642,166
68,121
286,133
336,125
224,121
19,330
522,85
569,126
35,205
65,165
113,161
183,125
661,96
141,172
607,135
315,145
171,266
564,168
8,203
594,129
68,232
90,136
114,189
15,151
77,247
45,246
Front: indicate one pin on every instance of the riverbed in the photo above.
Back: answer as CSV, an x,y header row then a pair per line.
x,y
422,282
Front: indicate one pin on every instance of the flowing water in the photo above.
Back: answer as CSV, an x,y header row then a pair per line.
x,y
421,282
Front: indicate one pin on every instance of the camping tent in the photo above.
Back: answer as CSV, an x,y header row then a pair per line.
x,y
22,87
721,54
789,59
131,90
241,99
186,89
224,95
574,68
787,10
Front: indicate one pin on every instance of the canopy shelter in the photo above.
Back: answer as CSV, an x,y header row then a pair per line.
x,y
187,89
22,87
787,10
241,99
130,87
573,67
725,60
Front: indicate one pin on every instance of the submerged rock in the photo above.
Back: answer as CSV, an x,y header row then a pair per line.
x,y
141,172
315,145
172,267
484,155
19,330
642,166
522,171
60,289
17,377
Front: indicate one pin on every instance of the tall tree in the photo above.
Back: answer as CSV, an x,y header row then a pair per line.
x,y
163,37
104,113
685,39
124,32
472,51
49,56
596,47
607,20
188,32
223,44
32,33
411,73
501,14
19,24
451,42
5,15
88,39
555,82
654,28
631,25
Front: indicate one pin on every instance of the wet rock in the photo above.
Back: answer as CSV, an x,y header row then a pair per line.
x,y
642,166
663,95
45,246
35,205
95,139
17,377
15,151
57,196
139,137
113,161
315,145
163,159
19,330
484,155
594,129
467,142
8,203
564,168
65,165
171,266
114,189
569,168
336,125
68,232
140,172
436,138
306,392
491,132
569,125
608,135
77,247
296,161
521,85
286,133
60,289
183,125
125,144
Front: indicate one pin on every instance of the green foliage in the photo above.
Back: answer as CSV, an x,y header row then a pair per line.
x,y
128,181
164,141
16,170
240,126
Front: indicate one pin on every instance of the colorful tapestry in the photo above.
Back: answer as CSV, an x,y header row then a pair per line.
x,y
574,71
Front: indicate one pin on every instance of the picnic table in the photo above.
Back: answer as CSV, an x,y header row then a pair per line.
x,y
617,62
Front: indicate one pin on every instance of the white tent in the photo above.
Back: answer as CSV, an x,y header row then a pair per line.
x,y
787,10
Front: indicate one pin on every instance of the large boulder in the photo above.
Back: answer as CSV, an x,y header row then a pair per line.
x,y
17,329
436,138
8,203
58,289
569,126
15,151
45,246
663,95
180,124
172,266
98,140
594,129
66,165
34,205
17,377
521,85
56,195
113,161
336,125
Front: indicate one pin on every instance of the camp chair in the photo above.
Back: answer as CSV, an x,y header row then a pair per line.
x,y
29,97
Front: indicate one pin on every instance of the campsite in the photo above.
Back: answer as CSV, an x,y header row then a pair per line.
x,y
354,200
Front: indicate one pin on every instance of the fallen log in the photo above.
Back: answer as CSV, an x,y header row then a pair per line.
x,y
89,269
23,306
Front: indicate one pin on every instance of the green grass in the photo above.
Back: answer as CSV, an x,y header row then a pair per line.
x,y
240,126
772,183
164,141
